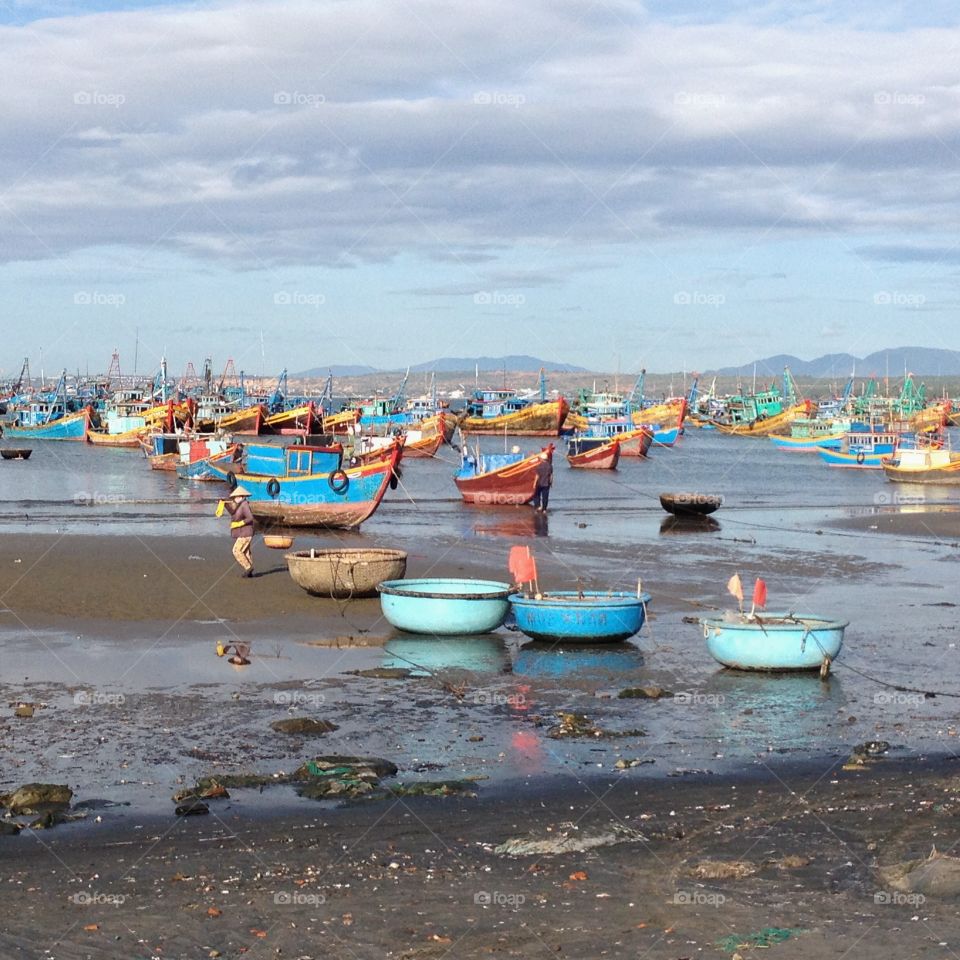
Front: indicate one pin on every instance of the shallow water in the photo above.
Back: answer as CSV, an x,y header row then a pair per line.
x,y
604,528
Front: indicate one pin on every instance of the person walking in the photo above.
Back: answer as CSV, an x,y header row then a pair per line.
x,y
241,527
544,472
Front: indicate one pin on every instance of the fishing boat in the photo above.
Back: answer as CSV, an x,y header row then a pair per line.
x,y
297,421
773,641
499,478
445,607
15,453
129,417
923,464
593,453
580,616
310,486
167,451
690,504
41,421
212,468
862,450
505,412
811,435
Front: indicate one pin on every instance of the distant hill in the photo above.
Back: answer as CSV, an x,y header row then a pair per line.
x,y
920,361
342,370
512,364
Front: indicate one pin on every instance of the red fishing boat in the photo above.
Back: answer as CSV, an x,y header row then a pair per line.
x,y
593,453
499,478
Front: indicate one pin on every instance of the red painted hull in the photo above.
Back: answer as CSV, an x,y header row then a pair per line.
x,y
509,486
602,458
425,447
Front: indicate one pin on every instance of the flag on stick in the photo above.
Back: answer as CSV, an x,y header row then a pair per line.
x,y
523,568
735,588
759,595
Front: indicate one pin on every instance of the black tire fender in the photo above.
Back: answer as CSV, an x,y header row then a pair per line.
x,y
861,456
339,481
231,479
273,487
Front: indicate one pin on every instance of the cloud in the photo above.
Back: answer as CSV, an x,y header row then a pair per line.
x,y
265,135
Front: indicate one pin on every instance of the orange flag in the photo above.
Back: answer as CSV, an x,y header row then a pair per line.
x,y
760,594
523,568
735,587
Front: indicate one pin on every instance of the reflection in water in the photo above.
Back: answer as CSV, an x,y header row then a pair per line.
x,y
481,654
520,522
576,660
684,525
785,709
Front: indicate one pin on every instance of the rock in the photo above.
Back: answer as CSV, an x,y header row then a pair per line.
x,y
193,807
24,710
872,748
338,787
651,692
97,804
791,862
304,726
578,725
723,869
937,876
366,768
624,764
32,797
568,841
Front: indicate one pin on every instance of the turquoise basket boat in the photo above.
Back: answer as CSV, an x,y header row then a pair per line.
x,y
774,641
590,616
445,607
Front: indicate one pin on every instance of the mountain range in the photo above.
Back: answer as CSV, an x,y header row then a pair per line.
x,y
512,364
920,361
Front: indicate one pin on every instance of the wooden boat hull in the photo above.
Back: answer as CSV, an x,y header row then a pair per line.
x,y
773,643
604,457
163,461
129,440
829,441
311,501
949,475
535,420
763,428
445,607
690,504
299,420
71,427
342,422
245,423
572,616
510,485
422,448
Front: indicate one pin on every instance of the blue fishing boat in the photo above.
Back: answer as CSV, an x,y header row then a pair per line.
x,y
50,416
445,607
862,449
773,641
311,486
584,616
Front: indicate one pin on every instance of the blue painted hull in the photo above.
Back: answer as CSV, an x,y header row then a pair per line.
x,y
445,607
807,444
666,438
587,617
862,461
777,641
71,427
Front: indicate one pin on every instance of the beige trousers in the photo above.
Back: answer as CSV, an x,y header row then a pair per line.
x,y
242,552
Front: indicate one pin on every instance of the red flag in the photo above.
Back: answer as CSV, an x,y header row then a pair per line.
x,y
735,587
522,566
760,594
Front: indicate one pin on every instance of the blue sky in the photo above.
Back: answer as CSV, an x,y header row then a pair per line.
x,y
386,181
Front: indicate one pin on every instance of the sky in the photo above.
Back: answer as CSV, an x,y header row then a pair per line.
x,y
673,186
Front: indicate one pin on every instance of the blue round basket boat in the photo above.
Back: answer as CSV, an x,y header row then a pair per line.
x,y
445,607
580,616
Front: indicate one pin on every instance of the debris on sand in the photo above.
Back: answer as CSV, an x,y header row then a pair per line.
x,y
573,725
864,753
937,876
37,797
767,937
384,673
724,869
193,807
568,840
628,764
364,768
651,692
304,726
434,788
24,710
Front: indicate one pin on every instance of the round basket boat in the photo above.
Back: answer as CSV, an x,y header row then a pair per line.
x,y
445,607
16,453
690,504
573,616
276,542
343,573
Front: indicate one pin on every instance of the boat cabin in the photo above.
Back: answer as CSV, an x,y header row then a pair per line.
x,y
295,460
